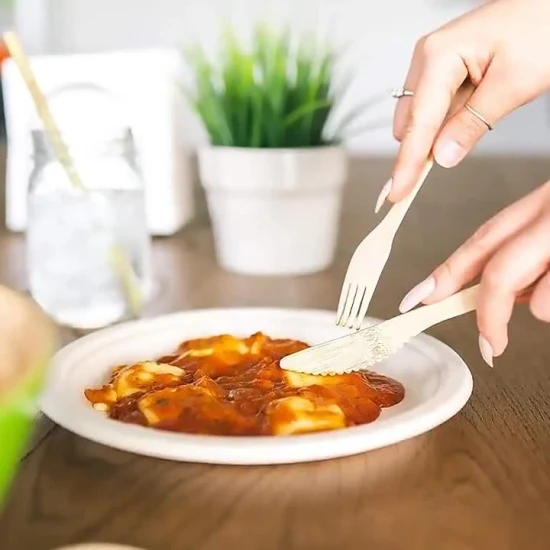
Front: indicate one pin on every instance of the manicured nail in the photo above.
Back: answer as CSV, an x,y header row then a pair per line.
x,y
383,196
449,154
418,294
486,351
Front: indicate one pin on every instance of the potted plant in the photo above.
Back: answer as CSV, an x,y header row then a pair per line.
x,y
275,168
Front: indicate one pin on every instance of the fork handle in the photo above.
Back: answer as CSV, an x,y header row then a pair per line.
x,y
417,321
398,211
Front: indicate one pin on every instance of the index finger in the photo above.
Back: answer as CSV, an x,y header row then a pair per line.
x,y
469,260
440,79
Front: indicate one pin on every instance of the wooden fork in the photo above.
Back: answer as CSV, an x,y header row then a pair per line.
x,y
369,259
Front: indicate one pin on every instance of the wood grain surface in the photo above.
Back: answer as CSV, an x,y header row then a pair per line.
x,y
480,481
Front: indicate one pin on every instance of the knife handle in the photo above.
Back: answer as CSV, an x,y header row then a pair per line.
x,y
403,327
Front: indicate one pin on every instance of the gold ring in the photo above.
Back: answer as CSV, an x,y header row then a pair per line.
x,y
479,116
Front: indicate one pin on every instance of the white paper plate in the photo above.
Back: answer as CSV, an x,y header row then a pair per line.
x,y
437,385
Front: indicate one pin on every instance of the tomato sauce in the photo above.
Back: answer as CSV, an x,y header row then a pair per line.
x,y
231,389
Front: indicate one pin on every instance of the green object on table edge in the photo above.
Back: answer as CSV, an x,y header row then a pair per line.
x,y
27,334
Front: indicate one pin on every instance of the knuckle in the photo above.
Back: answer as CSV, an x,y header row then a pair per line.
x,y
398,133
481,239
408,129
471,127
400,118
398,129
447,275
429,45
420,119
493,280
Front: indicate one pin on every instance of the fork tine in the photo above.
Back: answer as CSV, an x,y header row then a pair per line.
x,y
355,306
362,311
345,304
344,296
349,305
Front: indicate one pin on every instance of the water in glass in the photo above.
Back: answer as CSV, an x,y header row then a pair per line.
x,y
70,233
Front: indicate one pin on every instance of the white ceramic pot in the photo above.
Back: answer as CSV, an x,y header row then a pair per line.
x,y
274,211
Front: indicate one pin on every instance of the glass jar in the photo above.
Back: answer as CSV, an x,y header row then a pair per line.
x,y
71,233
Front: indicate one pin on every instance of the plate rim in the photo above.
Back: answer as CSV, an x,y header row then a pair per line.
x,y
413,422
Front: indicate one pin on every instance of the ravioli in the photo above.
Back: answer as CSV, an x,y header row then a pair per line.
x,y
135,378
226,385
296,414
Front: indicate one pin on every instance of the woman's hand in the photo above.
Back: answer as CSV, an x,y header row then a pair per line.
x,y
511,252
496,55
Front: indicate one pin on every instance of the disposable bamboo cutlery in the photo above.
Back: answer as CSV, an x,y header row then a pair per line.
x,y
364,348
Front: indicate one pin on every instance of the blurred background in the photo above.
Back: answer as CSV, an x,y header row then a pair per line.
x,y
380,35
255,117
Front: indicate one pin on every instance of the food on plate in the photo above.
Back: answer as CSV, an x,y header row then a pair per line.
x,y
225,385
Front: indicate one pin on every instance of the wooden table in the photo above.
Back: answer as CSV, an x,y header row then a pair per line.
x,y
481,481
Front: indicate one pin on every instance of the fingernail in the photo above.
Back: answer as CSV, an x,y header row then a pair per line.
x,y
383,196
449,154
419,293
486,351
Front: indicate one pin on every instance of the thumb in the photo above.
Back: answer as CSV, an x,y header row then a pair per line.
x,y
490,101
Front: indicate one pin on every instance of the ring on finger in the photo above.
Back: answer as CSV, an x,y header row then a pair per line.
x,y
478,115
398,93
